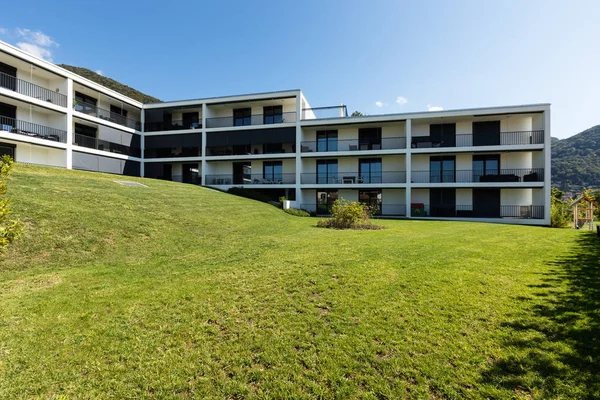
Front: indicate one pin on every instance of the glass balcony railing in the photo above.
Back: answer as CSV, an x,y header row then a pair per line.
x,y
329,145
258,119
479,176
350,178
470,140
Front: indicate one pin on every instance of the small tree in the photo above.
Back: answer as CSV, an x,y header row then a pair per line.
x,y
349,215
10,229
559,210
357,114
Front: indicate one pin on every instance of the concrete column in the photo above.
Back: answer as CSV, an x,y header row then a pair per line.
x,y
408,165
547,166
203,159
299,197
142,142
69,116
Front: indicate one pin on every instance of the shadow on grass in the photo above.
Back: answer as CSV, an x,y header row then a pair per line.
x,y
555,350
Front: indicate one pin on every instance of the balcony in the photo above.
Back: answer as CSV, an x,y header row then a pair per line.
x,y
94,111
385,210
171,126
103,145
32,90
469,211
253,179
352,178
251,149
257,119
353,145
324,112
478,176
519,138
32,130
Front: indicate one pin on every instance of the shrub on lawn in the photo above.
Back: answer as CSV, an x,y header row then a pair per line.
x,y
297,212
10,229
560,214
349,215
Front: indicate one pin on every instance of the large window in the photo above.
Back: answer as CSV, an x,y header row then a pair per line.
x,y
327,140
485,165
118,110
327,171
369,138
370,170
372,198
325,199
7,149
273,114
273,171
442,169
242,116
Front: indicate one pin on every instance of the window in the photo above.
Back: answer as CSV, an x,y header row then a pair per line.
x,y
118,110
85,104
7,149
8,77
273,171
327,171
325,199
369,138
85,136
369,170
372,198
273,115
485,165
191,120
242,116
442,169
327,140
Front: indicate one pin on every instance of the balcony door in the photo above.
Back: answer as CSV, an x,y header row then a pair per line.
x,y
327,171
242,173
443,135
190,120
486,203
242,116
486,133
325,199
369,170
7,149
327,140
442,202
190,173
8,114
486,167
272,115
372,198
442,169
369,138
8,77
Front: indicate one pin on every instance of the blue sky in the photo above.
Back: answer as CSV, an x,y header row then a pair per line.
x,y
376,56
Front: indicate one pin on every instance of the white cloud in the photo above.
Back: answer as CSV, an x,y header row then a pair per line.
x,y
35,50
379,104
37,38
434,108
401,100
99,72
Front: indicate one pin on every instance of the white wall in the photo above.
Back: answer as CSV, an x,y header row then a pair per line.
x,y
516,197
420,196
515,160
464,197
348,194
28,153
393,196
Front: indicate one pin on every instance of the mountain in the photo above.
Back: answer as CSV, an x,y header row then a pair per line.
x,y
111,84
576,160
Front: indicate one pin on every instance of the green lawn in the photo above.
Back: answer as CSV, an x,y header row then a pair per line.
x,y
176,291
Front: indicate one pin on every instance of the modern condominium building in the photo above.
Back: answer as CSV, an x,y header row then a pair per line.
x,y
483,164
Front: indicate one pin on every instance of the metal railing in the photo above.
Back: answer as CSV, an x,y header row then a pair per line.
x,y
469,211
95,111
171,126
257,119
352,145
349,178
254,179
32,90
32,130
479,176
99,144
340,111
389,210
247,150
469,140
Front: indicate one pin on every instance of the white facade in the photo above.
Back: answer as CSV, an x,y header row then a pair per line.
x,y
485,164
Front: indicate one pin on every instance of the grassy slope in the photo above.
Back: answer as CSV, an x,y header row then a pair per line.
x,y
175,290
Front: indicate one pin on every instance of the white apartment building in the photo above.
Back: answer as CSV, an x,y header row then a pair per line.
x,y
483,164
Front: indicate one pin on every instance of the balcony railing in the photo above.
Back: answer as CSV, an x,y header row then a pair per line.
x,y
325,112
32,90
353,145
258,119
518,138
254,179
101,113
350,178
469,211
32,130
171,126
389,210
253,149
479,176
99,144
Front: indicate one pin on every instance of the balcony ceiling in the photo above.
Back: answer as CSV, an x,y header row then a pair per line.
x,y
25,68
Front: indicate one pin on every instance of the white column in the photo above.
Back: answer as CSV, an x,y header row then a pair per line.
x,y
299,198
142,142
203,159
69,123
408,165
547,166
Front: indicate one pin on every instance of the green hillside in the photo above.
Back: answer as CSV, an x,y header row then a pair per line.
x,y
111,84
576,160
177,291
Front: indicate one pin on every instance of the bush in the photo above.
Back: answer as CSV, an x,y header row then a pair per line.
x,y
349,215
297,212
560,214
249,194
10,229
